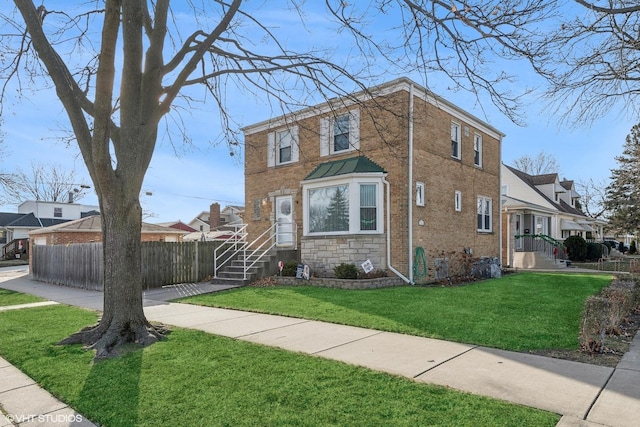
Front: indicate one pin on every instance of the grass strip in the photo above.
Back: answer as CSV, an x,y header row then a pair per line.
x,y
8,297
193,378
519,312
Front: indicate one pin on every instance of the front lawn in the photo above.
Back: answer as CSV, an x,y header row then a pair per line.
x,y
8,297
193,378
523,311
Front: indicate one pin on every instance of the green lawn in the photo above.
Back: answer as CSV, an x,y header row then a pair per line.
x,y
14,298
523,311
193,378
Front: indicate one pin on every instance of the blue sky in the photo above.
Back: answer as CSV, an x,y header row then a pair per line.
x,y
184,180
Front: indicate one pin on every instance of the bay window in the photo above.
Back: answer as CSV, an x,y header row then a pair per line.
x,y
343,206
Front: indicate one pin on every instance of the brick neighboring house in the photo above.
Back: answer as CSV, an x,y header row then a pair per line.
x,y
215,218
89,229
374,176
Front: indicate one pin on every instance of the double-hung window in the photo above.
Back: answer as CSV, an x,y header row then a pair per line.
x,y
455,140
284,140
477,150
340,134
484,214
282,147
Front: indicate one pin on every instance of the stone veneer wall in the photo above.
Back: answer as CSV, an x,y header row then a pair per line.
x,y
322,254
380,282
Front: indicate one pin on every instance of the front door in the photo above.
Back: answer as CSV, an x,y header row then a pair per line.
x,y
284,220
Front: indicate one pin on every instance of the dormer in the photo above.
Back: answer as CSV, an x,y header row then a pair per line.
x,y
571,195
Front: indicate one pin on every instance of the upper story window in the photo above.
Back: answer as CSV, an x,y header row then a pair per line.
x,y
457,201
477,150
282,147
455,140
57,212
284,141
340,134
484,214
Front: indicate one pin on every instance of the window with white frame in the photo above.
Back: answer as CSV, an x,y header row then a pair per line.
x,y
419,193
458,201
368,207
340,134
455,140
484,214
343,206
477,149
284,141
282,147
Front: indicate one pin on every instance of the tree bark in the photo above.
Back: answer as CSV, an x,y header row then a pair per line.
x,y
123,320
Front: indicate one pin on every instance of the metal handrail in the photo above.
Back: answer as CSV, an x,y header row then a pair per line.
x,y
268,237
238,236
271,238
552,248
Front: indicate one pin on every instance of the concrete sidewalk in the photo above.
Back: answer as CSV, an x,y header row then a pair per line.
x,y
583,394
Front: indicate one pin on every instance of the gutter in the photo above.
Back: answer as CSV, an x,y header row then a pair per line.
x,y
410,187
396,272
409,279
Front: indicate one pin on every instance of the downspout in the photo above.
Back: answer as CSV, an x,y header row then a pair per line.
x,y
410,186
396,272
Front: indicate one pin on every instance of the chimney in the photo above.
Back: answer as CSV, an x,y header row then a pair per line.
x,y
214,216
70,196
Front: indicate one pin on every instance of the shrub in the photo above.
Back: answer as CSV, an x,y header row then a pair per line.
x,y
621,247
375,274
594,251
290,268
346,271
632,248
594,324
576,248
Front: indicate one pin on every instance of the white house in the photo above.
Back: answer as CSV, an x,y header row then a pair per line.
x,y
541,207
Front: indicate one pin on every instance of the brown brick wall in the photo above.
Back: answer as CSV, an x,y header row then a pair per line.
x,y
384,139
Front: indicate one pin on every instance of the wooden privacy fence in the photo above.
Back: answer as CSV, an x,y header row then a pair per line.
x,y
163,263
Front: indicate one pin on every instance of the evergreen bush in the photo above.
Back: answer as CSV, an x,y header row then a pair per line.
x,y
576,248
346,271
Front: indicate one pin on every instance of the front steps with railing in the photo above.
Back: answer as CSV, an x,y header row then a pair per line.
x,y
239,262
241,271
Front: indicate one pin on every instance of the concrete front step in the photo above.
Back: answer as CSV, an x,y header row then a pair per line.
x,y
535,260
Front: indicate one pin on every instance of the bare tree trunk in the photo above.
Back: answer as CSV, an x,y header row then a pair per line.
x,y
123,320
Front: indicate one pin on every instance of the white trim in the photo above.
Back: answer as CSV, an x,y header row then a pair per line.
x,y
398,85
353,181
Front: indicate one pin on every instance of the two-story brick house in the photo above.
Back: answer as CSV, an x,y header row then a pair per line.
x,y
374,176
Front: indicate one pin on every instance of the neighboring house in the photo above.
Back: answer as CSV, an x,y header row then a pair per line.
x,y
178,225
540,205
214,219
89,229
375,176
33,215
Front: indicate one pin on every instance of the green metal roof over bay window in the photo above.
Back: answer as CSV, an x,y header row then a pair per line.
x,y
360,164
